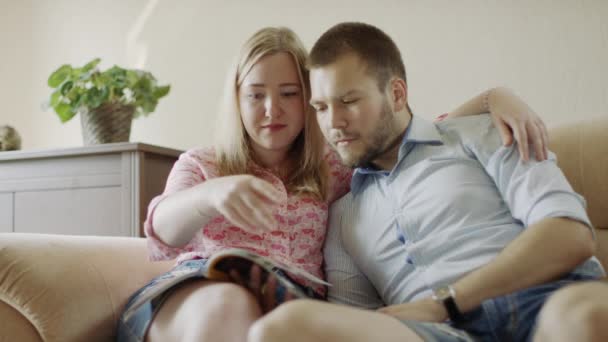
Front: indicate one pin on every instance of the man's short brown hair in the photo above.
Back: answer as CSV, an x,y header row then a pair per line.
x,y
368,42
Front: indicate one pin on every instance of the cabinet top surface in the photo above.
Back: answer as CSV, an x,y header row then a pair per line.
x,y
88,150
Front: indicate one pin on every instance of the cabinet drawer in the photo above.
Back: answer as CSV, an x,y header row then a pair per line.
x,y
88,211
6,212
69,172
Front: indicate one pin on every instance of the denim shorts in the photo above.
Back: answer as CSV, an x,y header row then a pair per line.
x,y
507,318
136,326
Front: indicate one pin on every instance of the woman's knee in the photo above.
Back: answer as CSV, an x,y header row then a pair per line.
x,y
585,300
225,300
196,307
580,309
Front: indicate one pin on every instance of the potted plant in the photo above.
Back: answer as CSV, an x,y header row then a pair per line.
x,y
107,101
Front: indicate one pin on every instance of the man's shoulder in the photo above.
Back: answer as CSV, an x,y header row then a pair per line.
x,y
473,130
470,125
338,211
342,203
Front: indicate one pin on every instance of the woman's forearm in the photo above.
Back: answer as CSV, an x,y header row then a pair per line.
x,y
477,105
178,217
489,101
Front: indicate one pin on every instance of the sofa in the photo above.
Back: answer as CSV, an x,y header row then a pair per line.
x,y
72,288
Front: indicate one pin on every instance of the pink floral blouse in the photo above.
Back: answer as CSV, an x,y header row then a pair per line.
x,y
297,240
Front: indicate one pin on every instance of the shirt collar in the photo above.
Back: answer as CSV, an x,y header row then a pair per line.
x,y
418,132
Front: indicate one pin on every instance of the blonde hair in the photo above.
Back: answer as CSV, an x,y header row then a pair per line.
x,y
308,173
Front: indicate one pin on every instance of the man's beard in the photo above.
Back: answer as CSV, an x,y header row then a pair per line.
x,y
381,139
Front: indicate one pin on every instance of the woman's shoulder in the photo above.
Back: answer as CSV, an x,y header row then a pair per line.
x,y
203,158
200,154
330,156
333,160
339,174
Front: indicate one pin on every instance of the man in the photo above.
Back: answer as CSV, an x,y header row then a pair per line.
x,y
449,234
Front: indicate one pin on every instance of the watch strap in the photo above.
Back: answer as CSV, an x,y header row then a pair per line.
x,y
452,309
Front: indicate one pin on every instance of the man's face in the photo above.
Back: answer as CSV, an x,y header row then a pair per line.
x,y
355,117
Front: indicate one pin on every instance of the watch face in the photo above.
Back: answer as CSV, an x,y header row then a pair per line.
x,y
442,293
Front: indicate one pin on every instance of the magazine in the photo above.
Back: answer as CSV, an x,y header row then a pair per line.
x,y
218,268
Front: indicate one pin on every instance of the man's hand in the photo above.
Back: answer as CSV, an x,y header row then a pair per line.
x,y
425,310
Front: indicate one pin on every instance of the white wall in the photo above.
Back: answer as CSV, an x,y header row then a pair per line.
x,y
552,53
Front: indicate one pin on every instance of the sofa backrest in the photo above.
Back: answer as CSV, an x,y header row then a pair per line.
x,y
582,153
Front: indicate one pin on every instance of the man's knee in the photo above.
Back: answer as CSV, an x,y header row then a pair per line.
x,y
281,324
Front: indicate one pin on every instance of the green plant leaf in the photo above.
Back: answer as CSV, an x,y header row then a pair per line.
x,y
73,95
66,87
55,98
149,106
64,111
143,85
91,65
76,74
101,80
161,91
131,78
96,97
59,75
80,101
86,88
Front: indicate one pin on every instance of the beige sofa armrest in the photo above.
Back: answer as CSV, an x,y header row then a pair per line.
x,y
582,153
69,288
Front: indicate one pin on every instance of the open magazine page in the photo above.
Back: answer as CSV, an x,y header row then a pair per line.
x,y
265,263
218,268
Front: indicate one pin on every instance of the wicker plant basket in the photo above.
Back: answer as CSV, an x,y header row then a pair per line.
x,y
109,123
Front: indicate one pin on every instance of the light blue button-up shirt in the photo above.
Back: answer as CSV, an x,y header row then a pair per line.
x,y
453,201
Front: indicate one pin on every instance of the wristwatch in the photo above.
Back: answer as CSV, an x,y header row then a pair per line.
x,y
445,295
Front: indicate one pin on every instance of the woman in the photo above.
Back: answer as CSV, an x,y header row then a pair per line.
x,y
264,186
575,313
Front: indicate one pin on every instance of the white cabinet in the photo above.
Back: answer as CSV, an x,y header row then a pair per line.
x,y
94,190
6,212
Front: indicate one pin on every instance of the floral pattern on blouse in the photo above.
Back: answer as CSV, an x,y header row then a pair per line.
x,y
297,240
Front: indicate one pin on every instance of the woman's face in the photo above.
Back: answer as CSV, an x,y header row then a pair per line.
x,y
272,104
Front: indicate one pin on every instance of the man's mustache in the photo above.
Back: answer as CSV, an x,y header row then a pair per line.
x,y
342,135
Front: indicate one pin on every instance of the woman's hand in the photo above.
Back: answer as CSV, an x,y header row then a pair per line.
x,y
514,118
245,200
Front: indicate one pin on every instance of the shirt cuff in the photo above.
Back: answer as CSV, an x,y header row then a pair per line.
x,y
566,205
